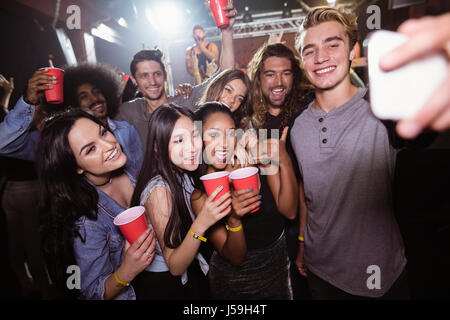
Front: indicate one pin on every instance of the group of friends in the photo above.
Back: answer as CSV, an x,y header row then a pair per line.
x,y
325,212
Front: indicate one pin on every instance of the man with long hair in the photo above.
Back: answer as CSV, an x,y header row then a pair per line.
x,y
279,95
278,89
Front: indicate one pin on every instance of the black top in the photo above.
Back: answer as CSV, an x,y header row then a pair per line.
x,y
202,61
274,122
264,226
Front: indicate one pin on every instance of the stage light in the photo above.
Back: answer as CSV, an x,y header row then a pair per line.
x,y
166,18
247,15
286,11
331,3
106,33
122,22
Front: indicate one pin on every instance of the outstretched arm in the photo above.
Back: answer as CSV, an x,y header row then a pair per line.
x,y
16,139
426,36
227,55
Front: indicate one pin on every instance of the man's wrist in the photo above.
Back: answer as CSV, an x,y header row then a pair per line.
x,y
27,101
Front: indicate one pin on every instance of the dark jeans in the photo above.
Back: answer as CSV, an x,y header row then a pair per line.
x,y
322,290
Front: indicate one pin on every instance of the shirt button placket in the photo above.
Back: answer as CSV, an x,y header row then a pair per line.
x,y
323,133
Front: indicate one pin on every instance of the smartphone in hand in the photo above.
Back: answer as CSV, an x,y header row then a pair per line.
x,y
400,93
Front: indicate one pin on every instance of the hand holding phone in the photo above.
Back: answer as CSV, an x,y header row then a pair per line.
x,y
400,93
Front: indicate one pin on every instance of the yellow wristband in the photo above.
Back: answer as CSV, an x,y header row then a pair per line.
x,y
125,284
301,239
196,72
197,236
233,229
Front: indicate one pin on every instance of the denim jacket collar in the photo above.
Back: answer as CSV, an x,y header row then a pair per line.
x,y
109,205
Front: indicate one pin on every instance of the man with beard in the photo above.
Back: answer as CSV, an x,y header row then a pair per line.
x,y
206,52
279,95
95,88
149,74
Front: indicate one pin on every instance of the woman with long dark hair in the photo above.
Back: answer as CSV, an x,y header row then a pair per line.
x,y
250,259
86,181
173,150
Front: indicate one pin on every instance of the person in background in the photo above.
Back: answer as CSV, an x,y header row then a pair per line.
x,y
93,88
149,74
200,55
232,88
129,91
19,200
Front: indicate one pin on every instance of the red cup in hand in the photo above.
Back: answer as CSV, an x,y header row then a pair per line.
x,y
219,14
55,95
245,178
213,180
132,223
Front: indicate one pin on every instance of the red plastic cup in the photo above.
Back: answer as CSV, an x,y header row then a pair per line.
x,y
132,223
245,178
213,180
55,95
219,13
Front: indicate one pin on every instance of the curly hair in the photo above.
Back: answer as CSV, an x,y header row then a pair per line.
x,y
293,102
214,89
103,77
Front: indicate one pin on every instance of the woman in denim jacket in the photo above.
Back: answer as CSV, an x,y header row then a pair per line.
x,y
86,181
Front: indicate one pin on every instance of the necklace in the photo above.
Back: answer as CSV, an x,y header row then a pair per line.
x,y
104,184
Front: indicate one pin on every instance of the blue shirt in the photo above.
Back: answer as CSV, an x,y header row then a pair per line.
x,y
17,141
101,252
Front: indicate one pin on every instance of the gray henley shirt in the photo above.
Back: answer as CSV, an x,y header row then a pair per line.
x,y
347,164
